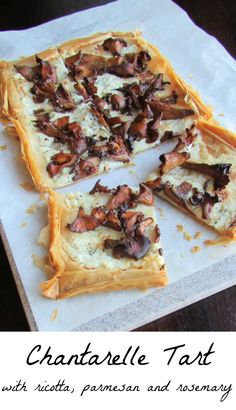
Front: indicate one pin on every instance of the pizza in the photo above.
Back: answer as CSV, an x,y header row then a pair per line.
x,y
104,240
90,105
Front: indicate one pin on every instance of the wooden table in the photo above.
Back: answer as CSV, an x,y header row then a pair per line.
x,y
218,18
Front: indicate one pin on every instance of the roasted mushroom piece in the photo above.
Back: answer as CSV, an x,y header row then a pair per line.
x,y
83,222
128,247
172,160
60,161
114,45
220,172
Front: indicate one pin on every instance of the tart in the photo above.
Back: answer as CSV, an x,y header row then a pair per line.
x,y
198,176
104,240
90,105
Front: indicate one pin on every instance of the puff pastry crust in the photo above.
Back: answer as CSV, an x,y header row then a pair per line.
x,y
80,263
17,106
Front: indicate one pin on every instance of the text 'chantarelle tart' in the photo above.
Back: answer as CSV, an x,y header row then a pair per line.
x,y
90,105
104,240
198,176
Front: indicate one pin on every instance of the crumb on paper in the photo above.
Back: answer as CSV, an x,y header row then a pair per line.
x,y
181,255
42,197
54,315
187,236
44,237
198,235
3,147
221,114
11,131
23,225
180,228
195,249
32,209
39,261
190,75
27,186
161,211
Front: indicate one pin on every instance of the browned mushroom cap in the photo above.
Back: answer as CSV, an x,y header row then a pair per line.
x,y
154,184
100,214
117,101
113,121
60,161
43,76
43,72
53,129
117,149
81,90
122,129
121,197
143,225
128,65
157,234
78,145
183,189
172,160
41,91
112,220
62,100
154,84
133,93
86,167
99,116
207,205
100,188
186,139
83,222
131,221
62,122
85,65
47,71
169,112
99,103
138,128
220,172
114,45
124,69
127,247
145,195
152,129
29,73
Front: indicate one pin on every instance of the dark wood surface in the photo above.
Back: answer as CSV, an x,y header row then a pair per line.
x,y
218,18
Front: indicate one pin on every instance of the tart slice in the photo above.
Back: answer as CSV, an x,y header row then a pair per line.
x,y
199,177
92,104
104,240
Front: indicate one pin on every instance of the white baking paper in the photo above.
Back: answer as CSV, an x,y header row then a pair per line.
x,y
204,64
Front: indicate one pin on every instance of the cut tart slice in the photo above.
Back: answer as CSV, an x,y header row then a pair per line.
x,y
92,104
104,240
199,177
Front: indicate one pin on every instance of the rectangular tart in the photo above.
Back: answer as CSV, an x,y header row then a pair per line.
x,y
91,104
102,241
198,176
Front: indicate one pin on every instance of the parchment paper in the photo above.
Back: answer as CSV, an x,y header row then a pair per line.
x,y
204,64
